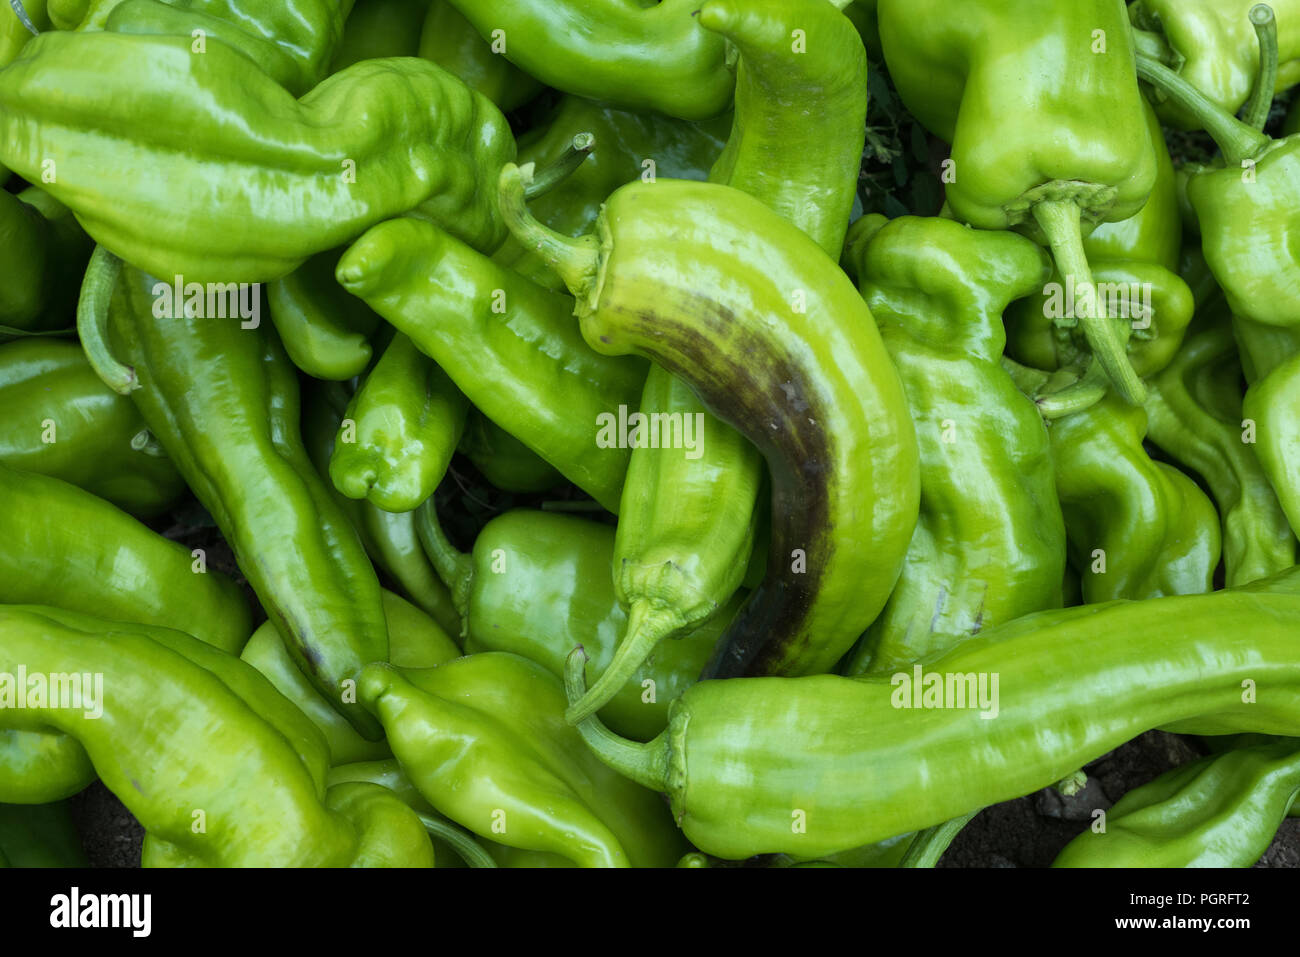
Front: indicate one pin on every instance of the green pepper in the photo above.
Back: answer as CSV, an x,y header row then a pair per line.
x,y
325,330
509,345
1221,811
380,28
1048,130
990,543
537,584
291,42
1136,528
45,252
242,141
61,420
14,33
826,407
415,641
39,835
399,432
633,56
1194,412
160,738
1134,262
451,41
484,740
1210,43
389,538
505,462
1071,685
223,401
630,146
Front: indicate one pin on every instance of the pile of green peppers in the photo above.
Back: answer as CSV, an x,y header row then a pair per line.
x,y
503,435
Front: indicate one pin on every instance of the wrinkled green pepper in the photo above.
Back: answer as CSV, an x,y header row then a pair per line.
x,y
508,344
635,57
1220,811
484,740
241,153
223,401
826,409
1136,528
451,41
990,543
537,584
1048,130
61,420
1072,685
399,432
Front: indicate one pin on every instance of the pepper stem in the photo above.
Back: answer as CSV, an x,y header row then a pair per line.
x,y
646,627
454,567
646,764
1261,99
1056,402
928,845
565,166
576,261
145,441
466,848
92,321
1237,140
1061,221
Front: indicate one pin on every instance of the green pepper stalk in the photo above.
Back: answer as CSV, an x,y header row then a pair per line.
x,y
863,759
784,350
1261,99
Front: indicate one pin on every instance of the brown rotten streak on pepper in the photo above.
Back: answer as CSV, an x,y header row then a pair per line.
x,y
796,450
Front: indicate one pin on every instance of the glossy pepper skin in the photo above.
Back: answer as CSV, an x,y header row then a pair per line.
x,y
292,42
1220,811
416,641
990,543
484,740
629,146
224,402
635,57
1143,250
170,708
61,420
508,344
826,408
389,538
451,41
39,835
325,330
1085,158
45,253
399,431
505,462
1211,44
537,584
69,98
1194,411
1085,673
1137,528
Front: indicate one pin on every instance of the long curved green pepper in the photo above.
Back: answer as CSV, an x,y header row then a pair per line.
x,y
628,54
1136,528
1087,158
1071,685
451,41
389,538
399,432
1220,811
825,405
990,543
61,420
75,100
1194,414
325,330
508,344
223,401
